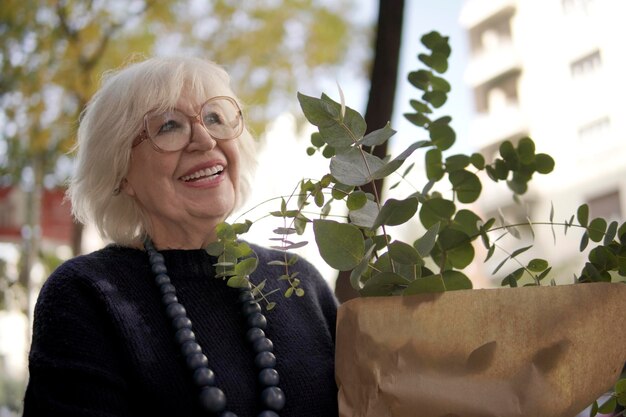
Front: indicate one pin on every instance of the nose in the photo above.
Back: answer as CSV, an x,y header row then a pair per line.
x,y
200,139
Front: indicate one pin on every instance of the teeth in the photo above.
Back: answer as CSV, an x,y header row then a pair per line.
x,y
203,173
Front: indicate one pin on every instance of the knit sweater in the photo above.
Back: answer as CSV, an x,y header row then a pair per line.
x,y
103,346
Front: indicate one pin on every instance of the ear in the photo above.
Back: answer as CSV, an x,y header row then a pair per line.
x,y
127,188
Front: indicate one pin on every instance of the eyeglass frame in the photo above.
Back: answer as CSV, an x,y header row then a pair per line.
x,y
143,135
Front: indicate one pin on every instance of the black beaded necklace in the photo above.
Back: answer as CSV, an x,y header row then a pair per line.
x,y
212,399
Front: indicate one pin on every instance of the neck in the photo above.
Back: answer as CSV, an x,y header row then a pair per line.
x,y
193,237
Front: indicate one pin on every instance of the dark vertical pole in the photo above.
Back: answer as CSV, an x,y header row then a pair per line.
x,y
382,93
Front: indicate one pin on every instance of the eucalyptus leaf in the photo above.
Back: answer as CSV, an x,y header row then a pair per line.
x,y
424,285
341,245
365,216
425,244
354,167
582,214
377,137
246,266
383,284
356,200
404,253
596,229
394,164
466,185
434,165
436,210
359,270
395,212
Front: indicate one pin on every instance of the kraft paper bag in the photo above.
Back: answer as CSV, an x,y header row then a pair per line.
x,y
531,351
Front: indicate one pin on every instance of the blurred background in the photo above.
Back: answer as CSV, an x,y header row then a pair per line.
x,y
548,69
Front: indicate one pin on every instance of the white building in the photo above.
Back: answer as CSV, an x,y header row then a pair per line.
x,y
552,70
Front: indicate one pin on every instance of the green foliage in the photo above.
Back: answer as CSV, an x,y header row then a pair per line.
x,y
434,262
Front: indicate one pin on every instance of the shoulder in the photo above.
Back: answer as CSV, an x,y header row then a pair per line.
x,y
89,271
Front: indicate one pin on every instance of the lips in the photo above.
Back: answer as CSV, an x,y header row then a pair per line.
x,y
196,174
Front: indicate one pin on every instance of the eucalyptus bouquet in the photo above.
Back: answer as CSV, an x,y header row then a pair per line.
x,y
433,261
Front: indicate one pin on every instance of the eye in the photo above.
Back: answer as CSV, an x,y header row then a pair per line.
x,y
213,118
169,126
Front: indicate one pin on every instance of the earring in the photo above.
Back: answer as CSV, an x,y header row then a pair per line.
x,y
117,190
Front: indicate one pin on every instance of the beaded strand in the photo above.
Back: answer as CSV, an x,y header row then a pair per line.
x,y
212,399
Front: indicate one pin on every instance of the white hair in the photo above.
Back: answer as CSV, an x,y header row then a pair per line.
x,y
111,121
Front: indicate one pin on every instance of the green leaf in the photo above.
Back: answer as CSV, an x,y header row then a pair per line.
x,y
458,247
420,106
214,248
526,150
361,268
316,111
237,282
513,277
442,135
582,214
544,163
584,241
520,251
434,165
377,137
420,79
404,253
435,98
537,265
365,216
317,140
608,406
356,200
246,266
456,280
436,210
620,392
394,164
418,119
596,229
340,190
477,160
611,231
425,244
467,221
354,167
440,84
594,409
457,162
436,61
425,285
466,185
395,212
341,245
383,284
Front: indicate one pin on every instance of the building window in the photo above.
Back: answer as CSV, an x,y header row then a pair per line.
x,y
607,206
586,65
596,132
576,6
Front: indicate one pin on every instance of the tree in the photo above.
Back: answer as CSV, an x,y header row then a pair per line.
x,y
52,53
383,78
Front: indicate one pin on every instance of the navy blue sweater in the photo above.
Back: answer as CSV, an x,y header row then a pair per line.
x,y
102,345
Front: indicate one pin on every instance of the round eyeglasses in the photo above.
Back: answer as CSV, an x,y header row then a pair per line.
x,y
171,131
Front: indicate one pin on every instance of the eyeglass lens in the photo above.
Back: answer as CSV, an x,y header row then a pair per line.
x,y
171,130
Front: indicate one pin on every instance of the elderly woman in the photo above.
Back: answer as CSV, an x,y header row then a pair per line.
x,y
143,327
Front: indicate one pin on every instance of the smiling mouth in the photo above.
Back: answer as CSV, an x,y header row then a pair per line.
x,y
208,173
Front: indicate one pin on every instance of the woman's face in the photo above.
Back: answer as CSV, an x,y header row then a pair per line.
x,y
186,193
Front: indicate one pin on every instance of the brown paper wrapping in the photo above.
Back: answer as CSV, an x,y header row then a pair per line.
x,y
532,351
